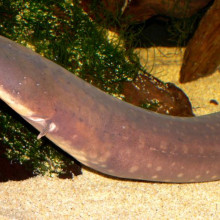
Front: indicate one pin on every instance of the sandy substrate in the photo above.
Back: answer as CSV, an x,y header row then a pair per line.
x,y
92,196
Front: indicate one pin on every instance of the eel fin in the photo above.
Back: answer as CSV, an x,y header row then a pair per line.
x,y
49,127
44,131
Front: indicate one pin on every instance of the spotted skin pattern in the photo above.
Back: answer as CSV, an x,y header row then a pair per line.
x,y
105,133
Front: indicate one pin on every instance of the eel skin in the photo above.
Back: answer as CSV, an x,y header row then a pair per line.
x,y
103,132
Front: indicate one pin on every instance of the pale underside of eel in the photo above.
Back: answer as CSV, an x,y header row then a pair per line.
x,y
103,132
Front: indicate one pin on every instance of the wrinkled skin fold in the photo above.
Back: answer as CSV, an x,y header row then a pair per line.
x,y
102,132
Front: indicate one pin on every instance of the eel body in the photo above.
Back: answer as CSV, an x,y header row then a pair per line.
x,y
105,133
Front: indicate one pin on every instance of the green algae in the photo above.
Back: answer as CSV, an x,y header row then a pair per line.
x,y
21,146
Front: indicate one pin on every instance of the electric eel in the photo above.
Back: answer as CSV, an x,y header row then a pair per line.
x,y
103,132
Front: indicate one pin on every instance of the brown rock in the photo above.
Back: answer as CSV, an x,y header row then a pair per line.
x,y
202,55
164,98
